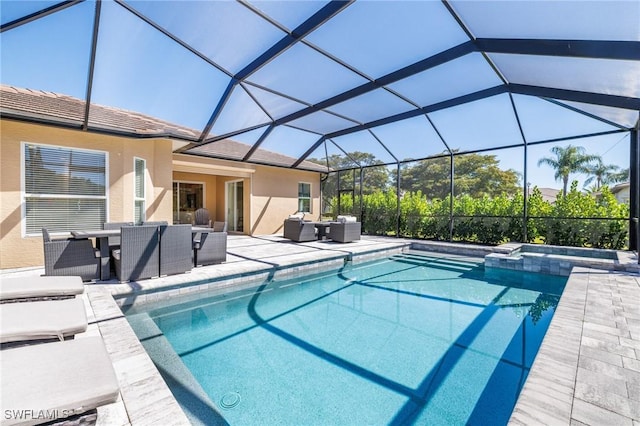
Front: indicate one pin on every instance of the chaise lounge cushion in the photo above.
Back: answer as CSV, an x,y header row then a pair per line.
x,y
63,378
40,287
47,319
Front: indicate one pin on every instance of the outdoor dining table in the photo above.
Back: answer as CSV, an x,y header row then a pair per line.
x,y
102,244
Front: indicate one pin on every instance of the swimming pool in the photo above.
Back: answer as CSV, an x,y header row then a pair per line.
x,y
407,339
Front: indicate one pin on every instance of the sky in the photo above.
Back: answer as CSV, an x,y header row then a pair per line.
x,y
140,69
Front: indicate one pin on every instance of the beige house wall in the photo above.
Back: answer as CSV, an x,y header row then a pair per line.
x,y
275,196
270,193
17,250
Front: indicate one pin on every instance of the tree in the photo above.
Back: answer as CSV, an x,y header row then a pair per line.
x,y
621,176
602,173
568,160
475,174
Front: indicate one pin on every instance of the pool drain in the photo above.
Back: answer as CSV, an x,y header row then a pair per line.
x,y
230,400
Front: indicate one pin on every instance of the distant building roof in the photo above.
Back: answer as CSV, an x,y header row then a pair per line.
x,y
53,107
549,194
619,187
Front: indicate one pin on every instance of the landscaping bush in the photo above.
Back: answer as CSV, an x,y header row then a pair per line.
x,y
494,220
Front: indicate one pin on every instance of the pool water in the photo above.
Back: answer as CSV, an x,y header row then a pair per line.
x,y
410,339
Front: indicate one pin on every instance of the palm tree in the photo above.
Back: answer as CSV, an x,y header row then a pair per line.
x,y
621,176
569,159
602,173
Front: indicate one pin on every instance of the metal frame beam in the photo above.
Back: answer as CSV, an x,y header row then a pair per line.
x,y
408,71
576,96
622,50
92,64
634,188
315,21
39,14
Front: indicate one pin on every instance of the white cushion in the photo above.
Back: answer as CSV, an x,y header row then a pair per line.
x,y
42,320
25,287
346,219
66,378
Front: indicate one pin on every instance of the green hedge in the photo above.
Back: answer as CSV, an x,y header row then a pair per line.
x,y
494,220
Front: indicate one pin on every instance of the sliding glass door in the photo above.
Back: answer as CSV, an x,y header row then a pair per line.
x,y
187,198
234,205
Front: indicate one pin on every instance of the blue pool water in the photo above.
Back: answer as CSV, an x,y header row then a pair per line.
x,y
407,340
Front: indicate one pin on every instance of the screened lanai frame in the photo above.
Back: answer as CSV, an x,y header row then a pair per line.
x,y
272,81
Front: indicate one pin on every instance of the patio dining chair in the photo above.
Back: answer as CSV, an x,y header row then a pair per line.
x,y
176,249
219,226
139,253
209,248
70,256
114,242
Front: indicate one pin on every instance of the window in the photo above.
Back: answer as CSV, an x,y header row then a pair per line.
x,y
139,210
63,188
304,197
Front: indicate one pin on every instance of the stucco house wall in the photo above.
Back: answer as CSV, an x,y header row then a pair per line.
x,y
270,193
275,197
18,250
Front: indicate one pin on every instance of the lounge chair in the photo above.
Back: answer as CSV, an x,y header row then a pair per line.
x,y
298,230
176,249
42,320
209,248
15,289
71,257
59,379
345,229
139,254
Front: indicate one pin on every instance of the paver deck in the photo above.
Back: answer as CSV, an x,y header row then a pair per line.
x,y
586,372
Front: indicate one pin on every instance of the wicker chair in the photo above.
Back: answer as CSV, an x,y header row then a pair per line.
x,y
114,242
175,249
139,253
219,226
299,230
156,223
70,257
344,232
209,248
202,217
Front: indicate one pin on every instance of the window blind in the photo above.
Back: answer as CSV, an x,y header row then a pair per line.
x,y
65,189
